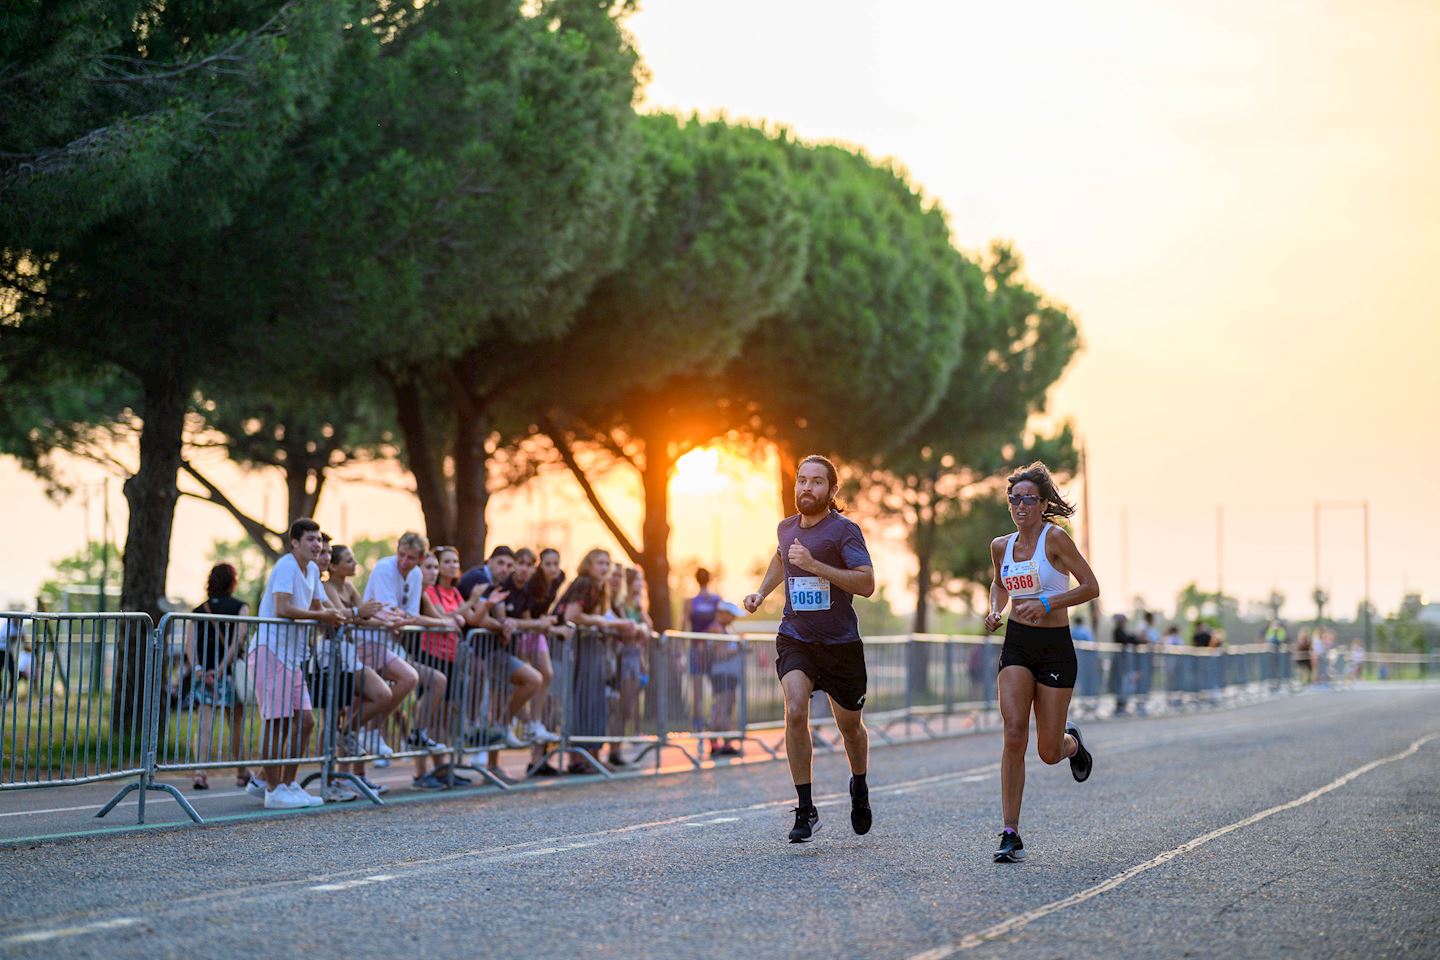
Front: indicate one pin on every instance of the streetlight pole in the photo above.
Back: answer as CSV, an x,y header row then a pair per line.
x,y
1364,507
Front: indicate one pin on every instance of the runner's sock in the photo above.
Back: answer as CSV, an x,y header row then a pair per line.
x,y
802,790
858,787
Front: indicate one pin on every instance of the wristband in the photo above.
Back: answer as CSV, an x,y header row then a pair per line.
x,y
1045,602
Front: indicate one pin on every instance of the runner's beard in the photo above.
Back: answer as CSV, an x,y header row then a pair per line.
x,y
814,506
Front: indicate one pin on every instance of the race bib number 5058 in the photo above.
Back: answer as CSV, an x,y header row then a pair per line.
x,y
809,593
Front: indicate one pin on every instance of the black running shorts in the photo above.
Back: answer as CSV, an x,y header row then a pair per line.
x,y
1047,652
836,668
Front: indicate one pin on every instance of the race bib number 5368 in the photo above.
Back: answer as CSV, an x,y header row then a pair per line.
x,y
1021,579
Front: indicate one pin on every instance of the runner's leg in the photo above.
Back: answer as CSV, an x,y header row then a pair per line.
x,y
1052,706
1017,694
798,748
857,740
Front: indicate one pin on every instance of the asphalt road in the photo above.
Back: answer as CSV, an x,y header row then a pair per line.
x,y
1302,827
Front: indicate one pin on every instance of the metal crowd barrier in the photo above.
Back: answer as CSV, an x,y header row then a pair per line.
x,y
109,697
81,715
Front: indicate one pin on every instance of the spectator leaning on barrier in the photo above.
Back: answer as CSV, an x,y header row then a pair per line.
x,y
527,604
698,617
586,603
727,665
397,583
491,573
630,606
277,664
211,650
374,692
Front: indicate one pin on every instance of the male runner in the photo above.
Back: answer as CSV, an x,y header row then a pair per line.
x,y
823,560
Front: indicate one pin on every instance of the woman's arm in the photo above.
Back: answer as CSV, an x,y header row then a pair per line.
x,y
999,596
237,641
1061,548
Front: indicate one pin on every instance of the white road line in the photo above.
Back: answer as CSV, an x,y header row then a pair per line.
x,y
1021,920
352,884
42,936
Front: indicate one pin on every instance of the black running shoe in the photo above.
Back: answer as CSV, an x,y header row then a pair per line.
x,y
807,823
1012,848
1081,763
860,818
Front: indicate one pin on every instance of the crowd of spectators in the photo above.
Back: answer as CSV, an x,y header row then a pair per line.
x,y
428,651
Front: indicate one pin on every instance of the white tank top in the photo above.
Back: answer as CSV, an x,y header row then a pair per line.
x,y
1036,577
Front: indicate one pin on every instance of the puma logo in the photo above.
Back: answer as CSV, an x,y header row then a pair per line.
x,y
1054,676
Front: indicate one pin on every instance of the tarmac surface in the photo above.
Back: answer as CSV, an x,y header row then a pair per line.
x,y
1305,826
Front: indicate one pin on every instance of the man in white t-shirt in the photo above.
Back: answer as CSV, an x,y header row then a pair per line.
x,y
276,661
397,583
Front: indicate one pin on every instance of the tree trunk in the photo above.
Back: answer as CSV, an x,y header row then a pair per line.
x,y
788,471
655,550
297,497
151,495
435,501
472,488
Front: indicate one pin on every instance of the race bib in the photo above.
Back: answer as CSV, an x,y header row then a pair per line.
x,y
1021,579
809,593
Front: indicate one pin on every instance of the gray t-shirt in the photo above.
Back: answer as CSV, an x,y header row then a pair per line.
x,y
817,611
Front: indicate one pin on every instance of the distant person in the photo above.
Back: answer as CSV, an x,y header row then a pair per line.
x,y
1122,667
12,643
726,671
1080,632
211,650
1202,637
1172,636
369,686
398,584
1304,650
277,663
699,617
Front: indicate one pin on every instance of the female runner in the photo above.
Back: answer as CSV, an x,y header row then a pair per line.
x,y
1033,567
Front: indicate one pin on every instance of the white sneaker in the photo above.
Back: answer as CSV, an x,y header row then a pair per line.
x,y
536,732
335,793
283,798
513,740
310,799
256,788
373,743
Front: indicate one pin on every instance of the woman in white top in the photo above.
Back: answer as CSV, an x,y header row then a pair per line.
x,y
1033,567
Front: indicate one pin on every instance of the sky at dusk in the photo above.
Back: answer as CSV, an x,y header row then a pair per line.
x,y
1239,203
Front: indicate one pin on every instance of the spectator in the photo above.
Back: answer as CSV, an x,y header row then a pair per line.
x,y
441,606
1172,636
12,644
396,583
586,603
699,617
726,669
211,649
1304,649
489,574
1357,659
276,662
530,595
631,668
1122,667
1080,631
371,689
554,577
1201,637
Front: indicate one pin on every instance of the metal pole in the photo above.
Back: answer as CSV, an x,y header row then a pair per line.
x,y
1220,549
1317,561
1365,509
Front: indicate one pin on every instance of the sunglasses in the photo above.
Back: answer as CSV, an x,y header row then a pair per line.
x,y
1028,499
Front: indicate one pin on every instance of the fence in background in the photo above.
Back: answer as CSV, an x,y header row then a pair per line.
x,y
111,697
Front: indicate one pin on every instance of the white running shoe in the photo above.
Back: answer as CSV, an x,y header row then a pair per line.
x,y
373,743
335,793
310,798
513,740
381,747
283,798
256,788
535,731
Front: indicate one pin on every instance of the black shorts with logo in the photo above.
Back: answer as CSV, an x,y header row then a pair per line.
x,y
1047,652
836,668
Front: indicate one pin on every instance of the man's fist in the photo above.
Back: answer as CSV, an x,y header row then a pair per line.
x,y
752,602
800,557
